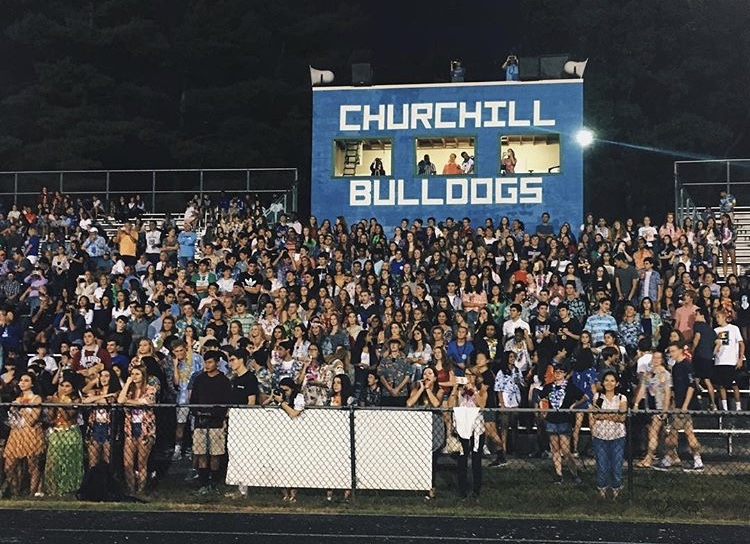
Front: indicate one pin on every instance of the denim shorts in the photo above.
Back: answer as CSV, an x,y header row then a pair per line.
x,y
559,428
100,432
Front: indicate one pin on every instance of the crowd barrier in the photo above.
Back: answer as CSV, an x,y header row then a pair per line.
x,y
363,450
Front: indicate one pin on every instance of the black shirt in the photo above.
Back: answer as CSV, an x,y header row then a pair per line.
x,y
243,387
574,327
682,380
251,280
561,397
210,390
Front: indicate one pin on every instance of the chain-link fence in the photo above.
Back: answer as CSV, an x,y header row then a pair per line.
x,y
507,460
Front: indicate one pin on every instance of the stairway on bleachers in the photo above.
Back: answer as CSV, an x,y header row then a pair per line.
x,y
742,226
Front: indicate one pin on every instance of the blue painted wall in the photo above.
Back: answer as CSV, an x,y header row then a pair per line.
x,y
524,108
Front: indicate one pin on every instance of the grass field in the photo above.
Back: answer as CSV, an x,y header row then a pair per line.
x,y
523,488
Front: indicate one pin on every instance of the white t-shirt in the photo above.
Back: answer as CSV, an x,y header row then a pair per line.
x,y
644,363
730,337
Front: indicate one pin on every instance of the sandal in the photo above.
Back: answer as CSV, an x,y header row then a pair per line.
x,y
643,463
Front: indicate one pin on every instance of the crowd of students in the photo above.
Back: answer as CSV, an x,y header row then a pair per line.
x,y
434,314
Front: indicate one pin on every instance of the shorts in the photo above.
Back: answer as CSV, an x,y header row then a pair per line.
x,y
490,415
508,420
704,368
725,375
209,441
183,414
99,432
682,422
559,428
136,429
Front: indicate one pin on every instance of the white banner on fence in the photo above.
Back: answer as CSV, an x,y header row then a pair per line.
x,y
394,449
269,449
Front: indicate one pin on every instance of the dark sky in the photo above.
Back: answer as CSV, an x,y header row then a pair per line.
x,y
413,42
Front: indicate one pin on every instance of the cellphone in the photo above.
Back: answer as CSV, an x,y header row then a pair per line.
x,y
599,402
462,380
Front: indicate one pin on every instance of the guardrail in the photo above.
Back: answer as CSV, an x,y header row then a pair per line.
x,y
172,187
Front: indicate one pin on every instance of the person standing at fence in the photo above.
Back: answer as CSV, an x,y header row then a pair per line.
x,y
63,470
140,427
210,387
395,374
185,364
561,395
26,438
244,391
729,350
468,398
428,394
289,398
101,392
608,435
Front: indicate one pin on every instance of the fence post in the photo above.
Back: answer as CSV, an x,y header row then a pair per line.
x,y
352,453
153,191
15,188
629,434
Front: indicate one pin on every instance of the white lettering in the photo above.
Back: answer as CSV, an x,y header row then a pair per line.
x,y
391,199
344,110
510,183
494,107
463,185
440,115
538,121
442,192
476,183
439,107
369,117
421,113
531,191
360,193
392,124
512,121
464,114
426,200
402,200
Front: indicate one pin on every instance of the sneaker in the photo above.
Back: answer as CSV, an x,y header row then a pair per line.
x,y
546,454
558,480
177,455
577,480
486,451
502,458
204,491
664,464
191,475
696,467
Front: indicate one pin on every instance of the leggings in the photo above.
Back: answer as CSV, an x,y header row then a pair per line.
x,y
467,449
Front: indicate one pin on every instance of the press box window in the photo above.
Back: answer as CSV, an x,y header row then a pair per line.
x,y
530,154
371,157
446,156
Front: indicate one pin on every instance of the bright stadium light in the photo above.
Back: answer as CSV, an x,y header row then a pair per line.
x,y
584,137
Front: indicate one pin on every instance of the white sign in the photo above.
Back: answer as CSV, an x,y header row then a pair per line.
x,y
269,449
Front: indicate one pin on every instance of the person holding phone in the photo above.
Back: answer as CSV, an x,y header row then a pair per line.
x,y
468,393
511,68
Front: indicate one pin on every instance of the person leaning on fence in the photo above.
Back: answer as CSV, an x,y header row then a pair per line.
x,y
561,395
468,398
26,438
140,427
210,387
607,414
289,398
427,393
63,470
101,392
